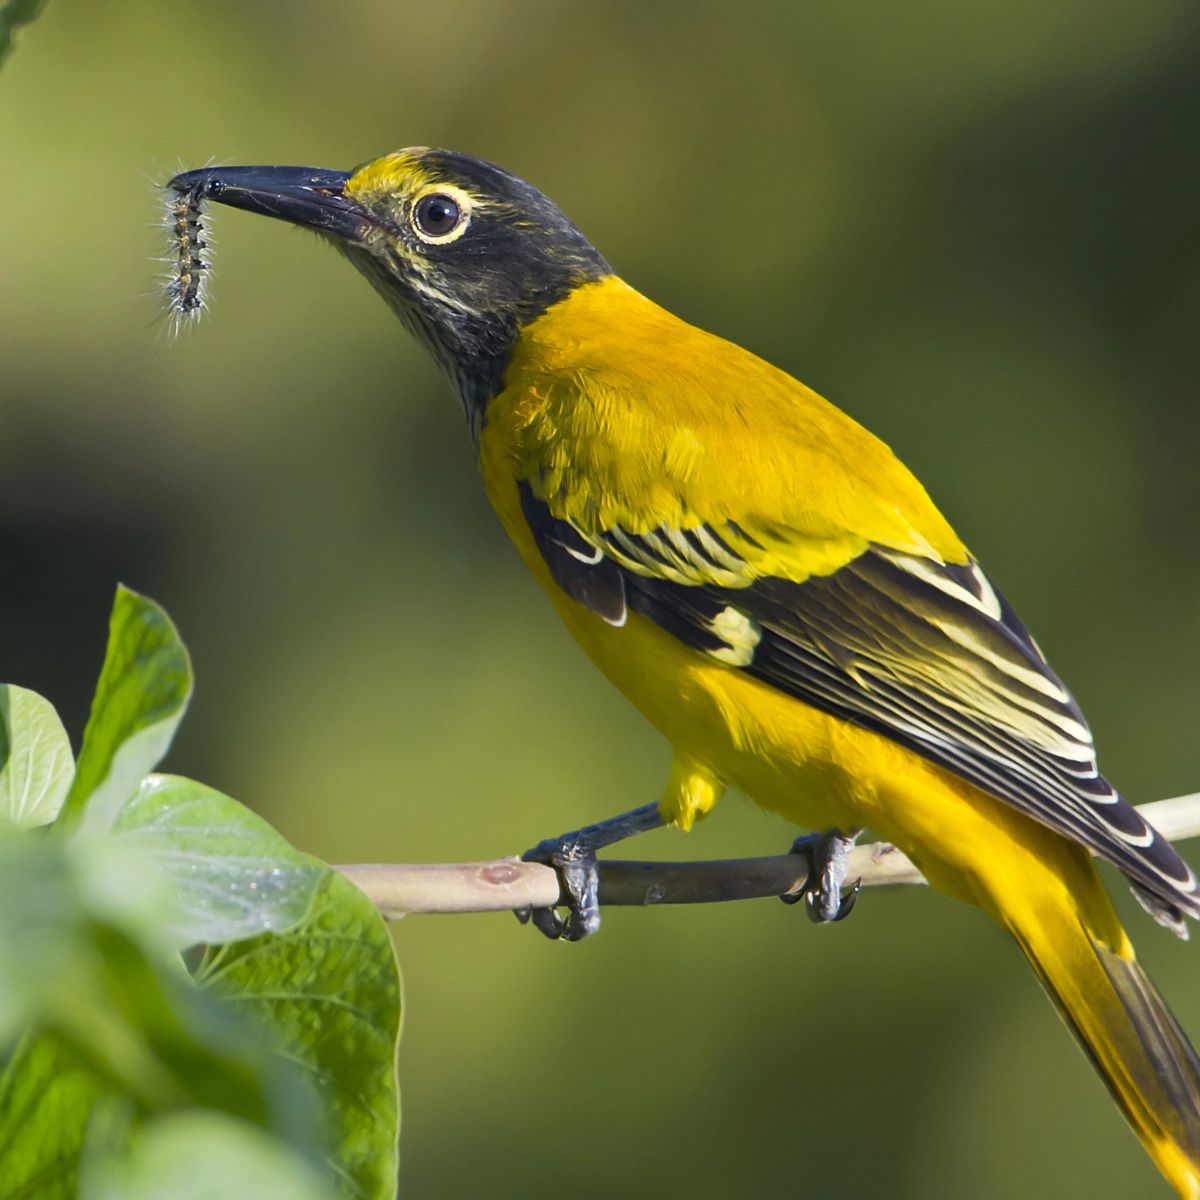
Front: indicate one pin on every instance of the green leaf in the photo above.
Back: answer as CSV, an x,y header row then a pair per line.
x,y
145,1037
203,1156
329,992
145,1028
135,1019
114,1016
46,1096
12,14
39,916
36,765
230,874
281,1027
143,690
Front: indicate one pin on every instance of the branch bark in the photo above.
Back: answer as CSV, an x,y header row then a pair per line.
x,y
505,884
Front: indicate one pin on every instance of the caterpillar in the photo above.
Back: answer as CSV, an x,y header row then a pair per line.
x,y
190,254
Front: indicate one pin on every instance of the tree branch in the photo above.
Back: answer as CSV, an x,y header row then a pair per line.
x,y
507,883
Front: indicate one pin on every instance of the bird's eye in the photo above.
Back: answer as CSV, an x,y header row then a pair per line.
x,y
437,215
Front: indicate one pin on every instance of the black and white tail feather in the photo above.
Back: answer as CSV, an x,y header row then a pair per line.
x,y
925,653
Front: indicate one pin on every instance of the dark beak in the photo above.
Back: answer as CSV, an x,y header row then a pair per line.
x,y
306,196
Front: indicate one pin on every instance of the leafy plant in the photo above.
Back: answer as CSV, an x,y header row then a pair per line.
x,y
191,1007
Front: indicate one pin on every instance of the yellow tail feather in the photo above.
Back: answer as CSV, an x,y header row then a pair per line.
x,y
1087,966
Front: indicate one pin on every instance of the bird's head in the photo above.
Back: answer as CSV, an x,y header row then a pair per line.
x,y
466,253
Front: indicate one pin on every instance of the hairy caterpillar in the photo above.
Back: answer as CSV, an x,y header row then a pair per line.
x,y
186,285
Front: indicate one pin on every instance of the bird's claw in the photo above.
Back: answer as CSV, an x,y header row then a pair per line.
x,y
824,909
573,857
827,854
579,877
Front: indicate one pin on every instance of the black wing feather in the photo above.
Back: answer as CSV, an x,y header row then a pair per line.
x,y
900,648
579,568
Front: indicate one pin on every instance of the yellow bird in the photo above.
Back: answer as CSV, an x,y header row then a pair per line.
x,y
772,588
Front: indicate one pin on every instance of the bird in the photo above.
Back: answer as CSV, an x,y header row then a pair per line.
x,y
773,590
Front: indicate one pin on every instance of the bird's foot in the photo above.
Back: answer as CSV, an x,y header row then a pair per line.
x,y
573,857
579,877
828,854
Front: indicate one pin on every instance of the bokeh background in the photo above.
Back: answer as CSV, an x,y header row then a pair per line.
x,y
972,225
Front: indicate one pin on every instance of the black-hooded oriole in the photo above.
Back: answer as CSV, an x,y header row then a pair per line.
x,y
770,586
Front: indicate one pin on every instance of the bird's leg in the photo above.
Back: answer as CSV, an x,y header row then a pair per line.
x,y
827,854
573,857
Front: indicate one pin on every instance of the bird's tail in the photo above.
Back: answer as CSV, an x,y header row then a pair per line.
x,y
1085,961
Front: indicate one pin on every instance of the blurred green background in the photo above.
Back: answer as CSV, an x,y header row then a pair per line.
x,y
972,225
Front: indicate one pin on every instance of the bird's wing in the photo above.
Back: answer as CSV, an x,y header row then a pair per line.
x,y
923,651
